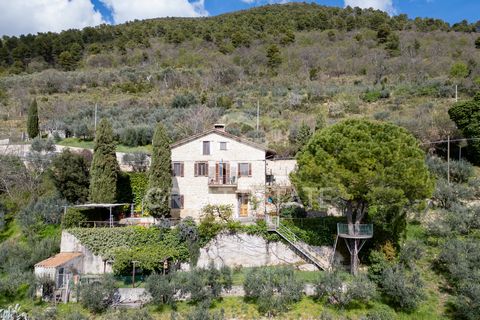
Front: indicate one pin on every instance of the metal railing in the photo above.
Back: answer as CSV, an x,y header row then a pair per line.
x,y
274,224
230,180
365,230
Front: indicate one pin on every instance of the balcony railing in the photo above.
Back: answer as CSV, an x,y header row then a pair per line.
x,y
355,230
225,181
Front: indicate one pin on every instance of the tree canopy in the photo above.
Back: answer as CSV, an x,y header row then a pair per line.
x,y
160,177
105,169
70,176
32,120
466,115
372,169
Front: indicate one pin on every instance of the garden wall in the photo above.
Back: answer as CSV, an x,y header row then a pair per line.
x,y
253,251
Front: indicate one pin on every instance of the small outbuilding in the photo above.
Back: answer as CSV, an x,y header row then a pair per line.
x,y
61,269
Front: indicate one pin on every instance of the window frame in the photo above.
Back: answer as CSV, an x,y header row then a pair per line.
x,y
197,167
182,169
209,151
223,143
249,169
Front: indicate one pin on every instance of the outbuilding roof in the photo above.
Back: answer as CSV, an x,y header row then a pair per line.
x,y
58,259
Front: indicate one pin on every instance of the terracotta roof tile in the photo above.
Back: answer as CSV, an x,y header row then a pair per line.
x,y
58,259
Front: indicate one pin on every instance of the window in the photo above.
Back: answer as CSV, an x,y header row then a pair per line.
x,y
206,148
244,169
223,145
177,169
201,169
176,201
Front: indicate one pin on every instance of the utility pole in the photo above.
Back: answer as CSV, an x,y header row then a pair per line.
x,y
133,273
96,107
448,159
456,93
258,116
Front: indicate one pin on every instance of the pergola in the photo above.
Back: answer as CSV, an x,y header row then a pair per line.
x,y
101,205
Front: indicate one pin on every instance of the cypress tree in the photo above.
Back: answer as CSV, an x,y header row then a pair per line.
x,y
105,169
32,120
160,177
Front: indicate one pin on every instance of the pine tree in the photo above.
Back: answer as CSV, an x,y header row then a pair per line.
x,y
304,134
104,170
32,120
160,177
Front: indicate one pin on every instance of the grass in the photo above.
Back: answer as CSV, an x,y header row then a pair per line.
x,y
88,144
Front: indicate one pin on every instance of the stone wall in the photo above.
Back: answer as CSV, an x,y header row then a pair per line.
x,y
92,264
252,251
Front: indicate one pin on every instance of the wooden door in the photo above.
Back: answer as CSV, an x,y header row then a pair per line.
x,y
243,205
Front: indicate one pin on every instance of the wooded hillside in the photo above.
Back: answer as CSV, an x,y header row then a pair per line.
x,y
302,63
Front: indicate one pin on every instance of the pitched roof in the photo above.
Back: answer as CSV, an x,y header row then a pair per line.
x,y
58,259
224,134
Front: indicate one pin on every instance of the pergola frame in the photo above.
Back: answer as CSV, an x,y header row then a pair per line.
x,y
100,205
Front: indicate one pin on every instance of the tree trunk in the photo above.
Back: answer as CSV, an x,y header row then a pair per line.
x,y
354,256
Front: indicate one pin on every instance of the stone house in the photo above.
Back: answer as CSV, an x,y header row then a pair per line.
x,y
218,168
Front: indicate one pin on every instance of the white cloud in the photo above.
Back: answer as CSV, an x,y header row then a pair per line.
x,y
126,10
384,5
32,16
265,1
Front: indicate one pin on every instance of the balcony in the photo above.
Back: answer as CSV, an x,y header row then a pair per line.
x,y
355,231
230,181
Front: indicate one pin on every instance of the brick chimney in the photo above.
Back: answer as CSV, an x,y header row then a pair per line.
x,y
219,127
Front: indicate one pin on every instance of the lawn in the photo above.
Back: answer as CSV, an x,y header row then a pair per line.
x,y
88,144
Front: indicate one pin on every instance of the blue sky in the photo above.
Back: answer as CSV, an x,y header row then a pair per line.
x,y
32,16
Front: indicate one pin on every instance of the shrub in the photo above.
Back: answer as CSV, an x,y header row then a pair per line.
x,y
274,290
97,296
129,314
136,136
404,289
138,161
163,288
43,145
184,101
37,214
331,286
73,218
381,313
371,96
293,211
203,285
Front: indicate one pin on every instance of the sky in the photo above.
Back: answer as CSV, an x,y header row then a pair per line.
x,y
32,16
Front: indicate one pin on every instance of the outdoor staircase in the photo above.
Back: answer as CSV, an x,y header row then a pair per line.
x,y
274,225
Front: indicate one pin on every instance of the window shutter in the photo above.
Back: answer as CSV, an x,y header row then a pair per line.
x,y
181,201
249,169
181,169
196,169
239,172
206,169
227,170
217,171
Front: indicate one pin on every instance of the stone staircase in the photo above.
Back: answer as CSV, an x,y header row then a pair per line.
x,y
274,225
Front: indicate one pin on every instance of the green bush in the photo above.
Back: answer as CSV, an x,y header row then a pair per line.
x,y
73,218
205,284
381,313
403,288
274,290
163,288
97,296
371,96
184,101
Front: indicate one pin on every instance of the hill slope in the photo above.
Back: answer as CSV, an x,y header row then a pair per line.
x,y
301,63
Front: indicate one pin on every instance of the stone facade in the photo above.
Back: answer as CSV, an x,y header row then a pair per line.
x,y
232,173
